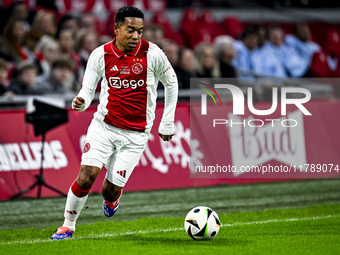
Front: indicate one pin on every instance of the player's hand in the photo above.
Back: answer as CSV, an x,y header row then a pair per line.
x,y
165,137
77,103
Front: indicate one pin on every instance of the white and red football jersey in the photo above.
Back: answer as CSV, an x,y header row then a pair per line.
x,y
129,86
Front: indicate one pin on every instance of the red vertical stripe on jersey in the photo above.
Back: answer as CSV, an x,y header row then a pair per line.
x,y
126,77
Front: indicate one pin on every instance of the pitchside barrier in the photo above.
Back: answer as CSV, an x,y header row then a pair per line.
x,y
216,148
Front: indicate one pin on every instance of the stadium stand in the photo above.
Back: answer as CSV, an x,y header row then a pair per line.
x,y
192,24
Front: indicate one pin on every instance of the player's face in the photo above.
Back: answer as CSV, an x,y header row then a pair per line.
x,y
129,34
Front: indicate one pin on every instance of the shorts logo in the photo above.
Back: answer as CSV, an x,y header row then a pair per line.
x,y
137,68
122,173
87,147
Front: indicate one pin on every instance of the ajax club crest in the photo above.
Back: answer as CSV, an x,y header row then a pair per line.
x,y
137,68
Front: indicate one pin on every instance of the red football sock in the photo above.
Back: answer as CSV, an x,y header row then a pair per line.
x,y
77,191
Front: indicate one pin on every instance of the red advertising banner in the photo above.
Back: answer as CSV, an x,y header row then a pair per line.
x,y
20,156
163,165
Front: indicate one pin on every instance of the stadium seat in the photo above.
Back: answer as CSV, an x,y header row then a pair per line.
x,y
161,19
319,65
207,21
189,26
101,26
332,45
177,37
85,6
202,35
336,73
319,31
110,28
232,26
189,19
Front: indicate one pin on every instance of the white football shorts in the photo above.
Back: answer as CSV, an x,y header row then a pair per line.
x,y
117,149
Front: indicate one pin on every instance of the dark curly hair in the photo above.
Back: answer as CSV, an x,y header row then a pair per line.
x,y
128,11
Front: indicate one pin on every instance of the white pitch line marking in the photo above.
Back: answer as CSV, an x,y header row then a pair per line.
x,y
140,232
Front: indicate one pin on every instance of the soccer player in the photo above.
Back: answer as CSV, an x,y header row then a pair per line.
x,y
130,68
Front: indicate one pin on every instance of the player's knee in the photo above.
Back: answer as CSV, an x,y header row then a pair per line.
x,y
110,191
87,176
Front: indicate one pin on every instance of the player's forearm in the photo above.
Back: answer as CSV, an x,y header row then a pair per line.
x,y
170,96
88,89
87,94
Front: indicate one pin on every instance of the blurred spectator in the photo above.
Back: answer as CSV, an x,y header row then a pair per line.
x,y
3,76
88,21
24,80
225,52
206,63
245,49
253,58
303,46
265,62
147,33
44,23
3,18
262,34
66,39
86,42
185,68
104,39
18,10
11,47
60,80
284,54
69,21
158,35
153,33
171,49
47,50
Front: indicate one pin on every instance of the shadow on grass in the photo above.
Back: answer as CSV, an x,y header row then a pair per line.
x,y
182,240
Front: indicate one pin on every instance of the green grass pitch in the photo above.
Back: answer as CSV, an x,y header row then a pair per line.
x,y
300,217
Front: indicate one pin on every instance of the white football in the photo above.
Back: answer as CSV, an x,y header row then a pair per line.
x,y
202,223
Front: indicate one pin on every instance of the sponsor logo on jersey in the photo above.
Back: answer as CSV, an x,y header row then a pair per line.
x,y
137,68
125,70
116,82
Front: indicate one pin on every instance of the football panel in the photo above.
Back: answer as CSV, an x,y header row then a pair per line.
x,y
190,233
209,212
203,231
193,222
213,225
